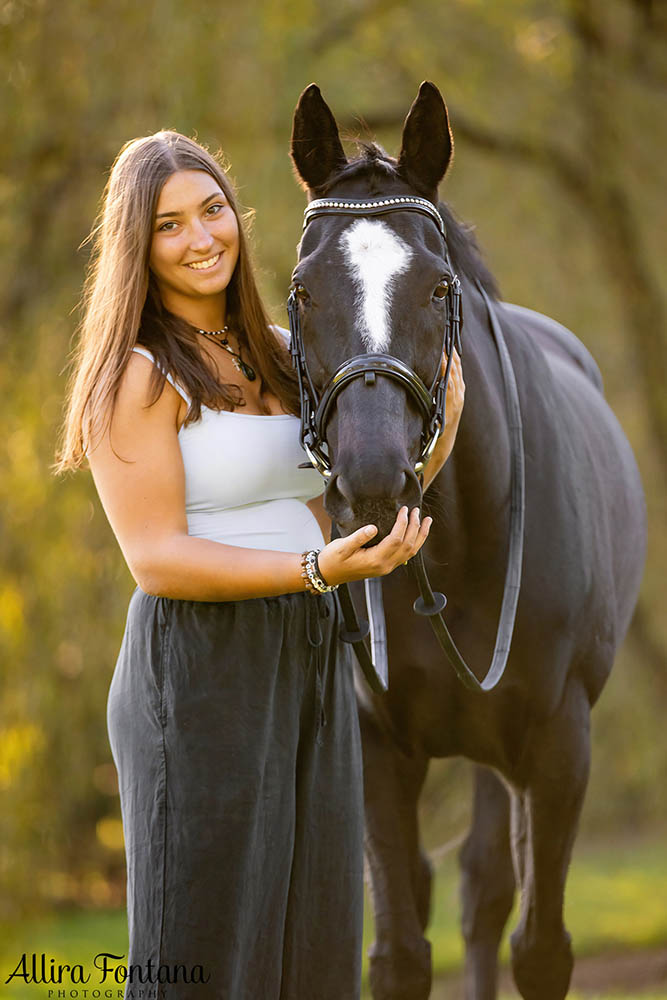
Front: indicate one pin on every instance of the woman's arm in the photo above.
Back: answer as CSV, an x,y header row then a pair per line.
x,y
141,483
454,408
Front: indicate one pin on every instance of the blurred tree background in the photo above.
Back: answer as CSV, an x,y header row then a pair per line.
x,y
558,110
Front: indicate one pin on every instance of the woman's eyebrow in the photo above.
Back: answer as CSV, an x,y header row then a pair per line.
x,y
163,215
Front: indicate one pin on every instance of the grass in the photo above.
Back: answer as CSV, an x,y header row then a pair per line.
x,y
615,902
69,938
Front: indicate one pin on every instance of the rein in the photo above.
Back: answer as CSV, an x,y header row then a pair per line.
x,y
432,603
315,410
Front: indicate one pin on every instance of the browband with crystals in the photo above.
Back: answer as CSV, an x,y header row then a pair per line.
x,y
374,206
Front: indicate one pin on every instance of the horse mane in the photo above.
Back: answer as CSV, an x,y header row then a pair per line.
x,y
376,167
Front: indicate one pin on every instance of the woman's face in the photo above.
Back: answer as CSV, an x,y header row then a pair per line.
x,y
195,243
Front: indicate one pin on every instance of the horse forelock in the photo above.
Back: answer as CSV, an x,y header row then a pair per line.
x,y
373,168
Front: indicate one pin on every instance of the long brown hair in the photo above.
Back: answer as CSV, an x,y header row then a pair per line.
x,y
122,305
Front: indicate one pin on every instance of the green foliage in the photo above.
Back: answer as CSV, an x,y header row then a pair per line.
x,y
83,77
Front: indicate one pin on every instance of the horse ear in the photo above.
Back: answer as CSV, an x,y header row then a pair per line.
x,y
315,148
427,144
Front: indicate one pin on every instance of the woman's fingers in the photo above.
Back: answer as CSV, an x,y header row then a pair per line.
x,y
352,543
455,392
445,359
345,559
405,538
414,539
403,525
413,528
455,372
422,535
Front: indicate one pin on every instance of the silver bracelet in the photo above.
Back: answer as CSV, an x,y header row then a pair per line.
x,y
311,574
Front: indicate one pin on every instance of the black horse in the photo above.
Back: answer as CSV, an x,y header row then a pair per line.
x,y
375,284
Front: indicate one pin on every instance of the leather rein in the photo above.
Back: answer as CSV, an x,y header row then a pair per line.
x,y
315,410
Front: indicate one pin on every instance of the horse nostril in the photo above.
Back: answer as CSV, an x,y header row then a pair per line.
x,y
407,488
401,481
339,484
339,496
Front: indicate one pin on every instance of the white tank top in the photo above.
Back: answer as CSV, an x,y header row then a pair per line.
x,y
242,484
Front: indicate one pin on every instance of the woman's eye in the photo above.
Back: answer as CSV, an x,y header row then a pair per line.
x,y
214,209
167,227
440,290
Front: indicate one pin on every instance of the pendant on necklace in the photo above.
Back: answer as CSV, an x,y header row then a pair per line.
x,y
245,369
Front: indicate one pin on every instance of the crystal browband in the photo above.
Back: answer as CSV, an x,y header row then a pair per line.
x,y
375,206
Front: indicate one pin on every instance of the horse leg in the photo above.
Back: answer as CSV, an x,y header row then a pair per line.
x,y
487,884
400,873
552,794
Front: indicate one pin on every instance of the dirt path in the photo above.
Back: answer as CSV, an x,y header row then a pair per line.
x,y
638,971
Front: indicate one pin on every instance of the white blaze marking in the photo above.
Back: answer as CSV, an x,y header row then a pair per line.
x,y
375,255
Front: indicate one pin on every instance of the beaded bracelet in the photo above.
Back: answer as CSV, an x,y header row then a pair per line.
x,y
311,575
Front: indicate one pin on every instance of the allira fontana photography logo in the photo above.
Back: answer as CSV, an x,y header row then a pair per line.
x,y
102,976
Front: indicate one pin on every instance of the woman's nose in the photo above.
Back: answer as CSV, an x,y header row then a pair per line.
x,y
201,238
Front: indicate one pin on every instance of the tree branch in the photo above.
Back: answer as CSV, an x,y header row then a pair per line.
x,y
340,27
514,147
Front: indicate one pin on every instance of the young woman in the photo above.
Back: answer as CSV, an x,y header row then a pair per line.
x,y
231,712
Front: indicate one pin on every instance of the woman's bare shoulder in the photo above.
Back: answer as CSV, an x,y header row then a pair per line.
x,y
133,411
135,389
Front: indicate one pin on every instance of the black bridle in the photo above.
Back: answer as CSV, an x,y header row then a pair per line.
x,y
315,411
316,408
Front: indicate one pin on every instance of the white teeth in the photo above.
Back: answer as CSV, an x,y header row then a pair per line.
x,y
203,265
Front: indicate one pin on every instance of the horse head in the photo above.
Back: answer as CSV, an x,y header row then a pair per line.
x,y
372,284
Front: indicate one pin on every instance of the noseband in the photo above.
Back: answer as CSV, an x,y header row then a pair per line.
x,y
316,408
315,411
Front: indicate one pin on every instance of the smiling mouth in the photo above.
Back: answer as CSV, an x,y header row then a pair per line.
x,y
204,265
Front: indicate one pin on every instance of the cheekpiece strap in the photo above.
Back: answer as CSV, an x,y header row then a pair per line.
x,y
375,206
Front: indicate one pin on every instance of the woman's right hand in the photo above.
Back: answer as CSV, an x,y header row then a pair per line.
x,y
344,559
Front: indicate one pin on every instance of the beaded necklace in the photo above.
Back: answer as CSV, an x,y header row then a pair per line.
x,y
219,337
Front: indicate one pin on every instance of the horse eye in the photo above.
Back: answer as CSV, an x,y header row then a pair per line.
x,y
301,292
440,290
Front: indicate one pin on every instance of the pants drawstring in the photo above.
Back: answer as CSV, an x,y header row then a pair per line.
x,y
315,641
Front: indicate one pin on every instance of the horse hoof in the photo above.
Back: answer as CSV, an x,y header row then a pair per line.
x,y
401,973
542,969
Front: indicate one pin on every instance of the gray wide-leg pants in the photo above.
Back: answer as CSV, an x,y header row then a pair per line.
x,y
234,730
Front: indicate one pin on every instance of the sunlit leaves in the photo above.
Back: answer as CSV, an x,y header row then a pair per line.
x,y
19,745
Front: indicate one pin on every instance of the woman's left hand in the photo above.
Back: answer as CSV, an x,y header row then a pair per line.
x,y
453,409
456,390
